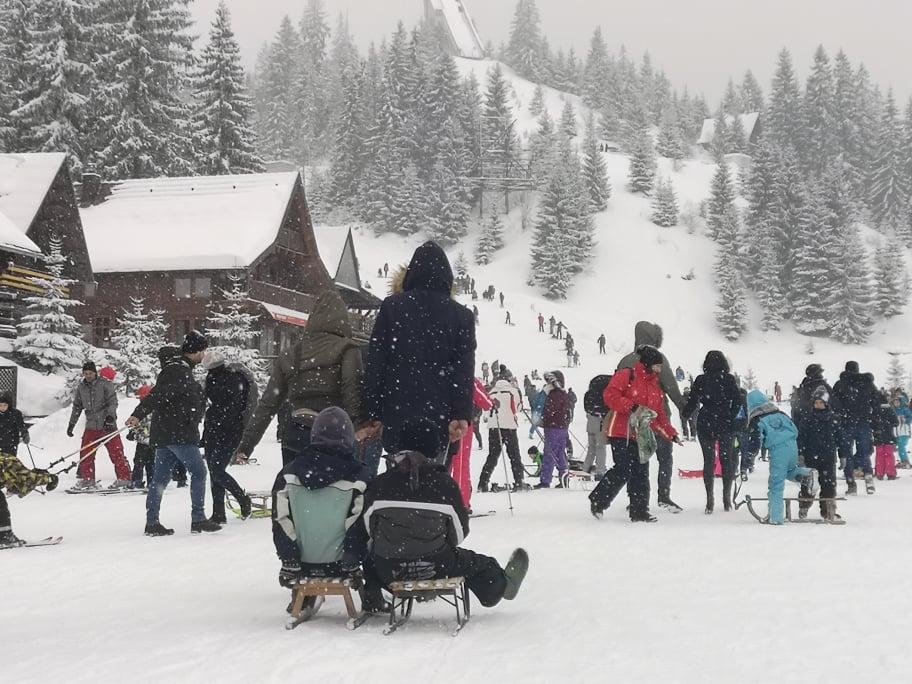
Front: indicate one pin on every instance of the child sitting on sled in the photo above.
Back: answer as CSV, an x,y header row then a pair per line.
x,y
771,428
19,480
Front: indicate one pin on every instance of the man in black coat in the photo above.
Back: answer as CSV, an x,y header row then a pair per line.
x,y
854,400
12,426
416,519
231,393
421,359
803,400
176,403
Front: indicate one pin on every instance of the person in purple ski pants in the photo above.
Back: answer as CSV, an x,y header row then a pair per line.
x,y
556,422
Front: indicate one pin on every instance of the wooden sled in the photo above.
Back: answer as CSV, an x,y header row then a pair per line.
x,y
321,587
260,502
451,590
749,502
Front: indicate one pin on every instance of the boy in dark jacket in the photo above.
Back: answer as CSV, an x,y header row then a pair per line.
x,y
12,426
818,442
556,423
416,519
884,424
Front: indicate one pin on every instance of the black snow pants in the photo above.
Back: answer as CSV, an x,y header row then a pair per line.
x,y
5,524
497,439
628,471
218,458
483,575
825,465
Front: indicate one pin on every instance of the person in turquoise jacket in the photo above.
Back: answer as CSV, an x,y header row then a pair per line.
x,y
771,428
904,414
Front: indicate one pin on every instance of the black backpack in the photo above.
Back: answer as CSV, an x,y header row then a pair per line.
x,y
594,399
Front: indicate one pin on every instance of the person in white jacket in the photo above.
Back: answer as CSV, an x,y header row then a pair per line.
x,y
502,427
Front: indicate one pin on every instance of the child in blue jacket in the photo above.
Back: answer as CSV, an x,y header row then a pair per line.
x,y
771,428
904,430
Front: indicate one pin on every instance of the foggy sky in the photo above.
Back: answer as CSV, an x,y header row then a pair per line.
x,y
697,42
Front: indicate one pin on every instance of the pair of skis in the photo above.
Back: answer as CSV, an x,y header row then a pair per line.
x,y
47,541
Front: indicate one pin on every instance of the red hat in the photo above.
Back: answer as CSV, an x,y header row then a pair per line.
x,y
108,373
144,391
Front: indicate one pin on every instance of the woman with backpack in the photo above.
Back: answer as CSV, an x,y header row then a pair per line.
x,y
717,395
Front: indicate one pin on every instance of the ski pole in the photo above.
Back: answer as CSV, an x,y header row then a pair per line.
x,y
506,474
98,441
92,452
34,467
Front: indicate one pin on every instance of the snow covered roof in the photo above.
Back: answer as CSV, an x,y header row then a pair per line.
x,y
25,180
285,315
462,29
748,121
331,244
194,223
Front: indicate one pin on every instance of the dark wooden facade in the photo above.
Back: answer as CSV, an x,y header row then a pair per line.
x,y
288,274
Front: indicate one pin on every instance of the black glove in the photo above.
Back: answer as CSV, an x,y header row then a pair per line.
x,y
288,575
70,430
110,424
25,437
131,436
52,481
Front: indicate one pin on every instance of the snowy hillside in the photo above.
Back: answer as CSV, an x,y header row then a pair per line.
x,y
636,274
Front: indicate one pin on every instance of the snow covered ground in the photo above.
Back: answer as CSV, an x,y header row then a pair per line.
x,y
690,599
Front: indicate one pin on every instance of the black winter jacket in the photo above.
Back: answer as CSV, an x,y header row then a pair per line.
x,y
422,352
719,399
855,398
803,401
884,424
12,430
819,434
231,391
412,523
176,403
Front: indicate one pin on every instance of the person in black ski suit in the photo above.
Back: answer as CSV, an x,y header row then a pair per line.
x,y
231,392
421,360
854,399
716,392
803,398
416,519
818,441
12,426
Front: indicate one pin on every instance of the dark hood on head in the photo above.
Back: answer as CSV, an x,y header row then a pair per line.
x,y
647,333
330,316
715,362
318,467
167,353
429,269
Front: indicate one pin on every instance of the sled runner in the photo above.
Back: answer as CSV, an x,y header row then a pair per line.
x,y
319,588
260,502
749,502
48,541
451,590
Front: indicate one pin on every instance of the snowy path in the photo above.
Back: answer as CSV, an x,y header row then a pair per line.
x,y
689,599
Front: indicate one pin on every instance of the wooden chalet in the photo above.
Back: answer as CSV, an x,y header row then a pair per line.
x,y
751,123
37,202
177,242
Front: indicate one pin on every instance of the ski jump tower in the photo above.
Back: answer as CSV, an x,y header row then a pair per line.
x,y
457,24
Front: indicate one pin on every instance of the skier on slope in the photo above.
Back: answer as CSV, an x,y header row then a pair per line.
x,y
231,392
416,520
502,431
601,344
650,334
98,399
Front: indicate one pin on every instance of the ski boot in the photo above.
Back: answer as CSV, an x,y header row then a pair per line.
x,y
851,488
869,483
119,485
8,540
520,487
86,485
482,488
542,485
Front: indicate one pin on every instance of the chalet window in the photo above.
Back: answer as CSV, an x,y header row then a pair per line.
x,y
202,287
182,288
101,330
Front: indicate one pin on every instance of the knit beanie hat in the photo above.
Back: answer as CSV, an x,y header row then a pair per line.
x,y
851,366
821,394
815,370
649,355
89,366
419,434
333,428
108,373
194,342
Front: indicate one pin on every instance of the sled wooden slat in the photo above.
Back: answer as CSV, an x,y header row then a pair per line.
x,y
323,586
451,590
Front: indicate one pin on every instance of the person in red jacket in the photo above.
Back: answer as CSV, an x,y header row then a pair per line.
x,y
555,421
628,390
